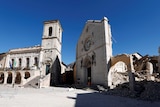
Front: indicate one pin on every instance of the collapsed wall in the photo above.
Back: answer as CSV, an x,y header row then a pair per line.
x,y
134,76
118,73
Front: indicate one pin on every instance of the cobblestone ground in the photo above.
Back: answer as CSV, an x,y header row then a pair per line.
x,y
64,97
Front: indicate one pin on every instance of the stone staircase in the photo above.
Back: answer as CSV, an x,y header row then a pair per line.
x,y
32,83
45,81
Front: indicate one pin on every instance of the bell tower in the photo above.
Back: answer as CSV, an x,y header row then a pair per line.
x,y
50,56
51,39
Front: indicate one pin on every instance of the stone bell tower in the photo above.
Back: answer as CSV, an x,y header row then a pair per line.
x,y
50,56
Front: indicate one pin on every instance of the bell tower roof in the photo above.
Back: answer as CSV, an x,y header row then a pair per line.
x,y
53,21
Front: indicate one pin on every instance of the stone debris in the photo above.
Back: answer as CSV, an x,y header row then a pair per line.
x,y
145,90
71,89
119,78
142,83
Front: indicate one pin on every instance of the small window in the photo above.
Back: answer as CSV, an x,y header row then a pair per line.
x,y
50,31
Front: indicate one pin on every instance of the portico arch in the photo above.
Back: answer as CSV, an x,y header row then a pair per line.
x,y
1,77
10,77
26,75
18,78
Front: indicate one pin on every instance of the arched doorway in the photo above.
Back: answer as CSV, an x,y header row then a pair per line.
x,y
89,76
27,75
10,77
18,78
87,65
47,69
1,78
48,61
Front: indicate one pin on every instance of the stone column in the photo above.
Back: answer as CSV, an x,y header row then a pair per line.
x,y
149,69
13,78
131,75
131,81
5,77
24,62
131,64
22,78
7,61
42,65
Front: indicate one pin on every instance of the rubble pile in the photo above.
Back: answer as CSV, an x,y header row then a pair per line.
x,y
144,88
151,91
138,78
119,78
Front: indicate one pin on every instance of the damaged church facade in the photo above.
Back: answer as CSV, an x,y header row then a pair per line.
x,y
94,65
94,51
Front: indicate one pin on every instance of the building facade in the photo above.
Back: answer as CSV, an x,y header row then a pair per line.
x,y
94,51
21,65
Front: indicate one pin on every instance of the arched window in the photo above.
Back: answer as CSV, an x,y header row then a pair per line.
x,y
27,62
12,63
36,61
20,62
50,31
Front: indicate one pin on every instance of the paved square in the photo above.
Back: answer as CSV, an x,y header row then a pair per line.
x,y
64,97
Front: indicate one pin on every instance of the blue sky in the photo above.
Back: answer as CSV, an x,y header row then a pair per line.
x,y
135,24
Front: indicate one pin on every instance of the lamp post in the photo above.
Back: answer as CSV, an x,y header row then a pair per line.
x,y
39,82
14,78
159,60
40,75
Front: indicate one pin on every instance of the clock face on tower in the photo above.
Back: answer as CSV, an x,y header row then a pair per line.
x,y
87,44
